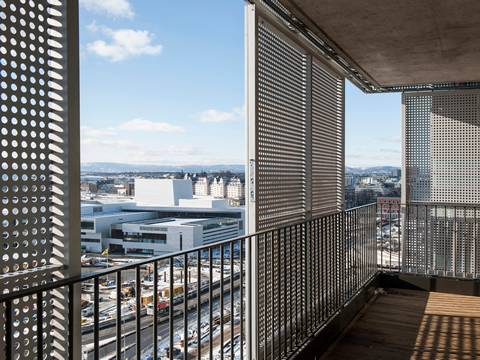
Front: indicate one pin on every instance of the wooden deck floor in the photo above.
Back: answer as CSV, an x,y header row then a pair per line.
x,y
413,325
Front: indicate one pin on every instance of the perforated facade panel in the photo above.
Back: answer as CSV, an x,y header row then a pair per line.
x,y
35,129
441,169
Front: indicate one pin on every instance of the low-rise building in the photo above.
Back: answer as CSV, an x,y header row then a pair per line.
x,y
161,236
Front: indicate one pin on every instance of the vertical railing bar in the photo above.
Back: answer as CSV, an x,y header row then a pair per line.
x,y
426,239
285,290
96,306
170,308
185,306
308,319
406,245
323,282
390,236
455,241
265,287
241,297
464,246
118,320
318,309
138,304
417,242
210,302
297,263
436,236
8,330
71,296
343,244
40,324
331,266
222,299
272,297
232,298
279,294
155,310
252,352
199,305
475,237
445,228
303,256
290,252
381,236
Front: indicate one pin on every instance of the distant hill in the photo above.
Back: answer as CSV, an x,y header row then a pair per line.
x,y
104,167
371,170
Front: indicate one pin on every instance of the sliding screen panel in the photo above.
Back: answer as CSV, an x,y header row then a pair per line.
x,y
295,142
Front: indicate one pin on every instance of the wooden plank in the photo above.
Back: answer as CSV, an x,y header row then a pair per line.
x,y
413,325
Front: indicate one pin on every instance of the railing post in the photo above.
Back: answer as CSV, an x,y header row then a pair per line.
x,y
252,298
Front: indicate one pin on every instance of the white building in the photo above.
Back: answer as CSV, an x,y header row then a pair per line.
x,y
96,221
218,188
102,220
201,187
164,192
161,236
235,189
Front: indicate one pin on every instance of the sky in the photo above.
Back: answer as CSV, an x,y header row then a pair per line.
x,y
162,82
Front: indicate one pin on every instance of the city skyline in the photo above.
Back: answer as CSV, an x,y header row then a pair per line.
x,y
155,91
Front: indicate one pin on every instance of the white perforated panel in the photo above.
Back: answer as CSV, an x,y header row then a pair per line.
x,y
33,156
442,146
442,168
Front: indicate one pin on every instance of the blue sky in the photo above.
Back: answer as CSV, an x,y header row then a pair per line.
x,y
162,82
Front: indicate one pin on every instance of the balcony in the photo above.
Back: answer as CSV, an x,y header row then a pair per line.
x,y
310,279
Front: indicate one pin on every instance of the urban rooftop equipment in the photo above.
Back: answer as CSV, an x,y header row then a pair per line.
x,y
307,280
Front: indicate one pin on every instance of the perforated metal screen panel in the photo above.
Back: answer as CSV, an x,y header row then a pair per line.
x,y
34,152
442,146
281,129
296,155
327,139
441,169
299,133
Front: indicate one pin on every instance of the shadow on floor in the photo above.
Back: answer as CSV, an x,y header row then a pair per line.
x,y
413,325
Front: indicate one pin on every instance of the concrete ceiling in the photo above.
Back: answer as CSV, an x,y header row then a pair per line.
x,y
400,42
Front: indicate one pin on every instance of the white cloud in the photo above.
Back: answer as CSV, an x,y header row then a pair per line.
x,y
114,8
90,132
149,126
218,116
123,43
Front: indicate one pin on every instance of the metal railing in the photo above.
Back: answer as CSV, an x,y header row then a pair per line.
x,y
193,304
307,272
197,297
430,239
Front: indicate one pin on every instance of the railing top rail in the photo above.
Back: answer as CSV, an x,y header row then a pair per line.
x,y
361,207
423,203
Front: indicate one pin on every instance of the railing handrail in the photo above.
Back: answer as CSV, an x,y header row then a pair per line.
x,y
90,276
